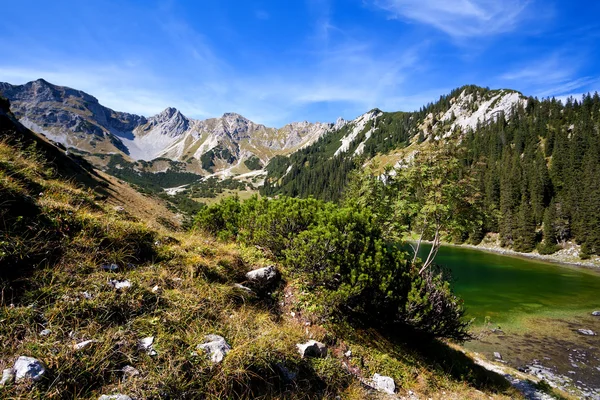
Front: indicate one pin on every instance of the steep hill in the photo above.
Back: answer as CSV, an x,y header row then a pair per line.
x,y
76,119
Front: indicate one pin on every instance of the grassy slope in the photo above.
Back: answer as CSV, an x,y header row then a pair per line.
x,y
51,253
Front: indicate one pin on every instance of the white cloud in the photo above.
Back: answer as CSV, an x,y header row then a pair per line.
x,y
460,18
554,75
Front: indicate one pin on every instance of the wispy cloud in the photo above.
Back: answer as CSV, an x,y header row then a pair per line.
x,y
553,75
460,18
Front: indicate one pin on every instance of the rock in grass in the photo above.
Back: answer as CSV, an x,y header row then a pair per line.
x,y
45,332
384,383
263,276
587,332
28,368
312,348
243,288
83,345
596,313
117,284
117,396
110,267
145,344
498,355
129,372
8,377
215,346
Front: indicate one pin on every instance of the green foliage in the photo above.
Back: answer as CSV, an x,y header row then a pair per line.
x,y
208,159
344,259
253,163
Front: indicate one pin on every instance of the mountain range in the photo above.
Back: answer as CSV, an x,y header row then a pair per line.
x,y
232,145
77,119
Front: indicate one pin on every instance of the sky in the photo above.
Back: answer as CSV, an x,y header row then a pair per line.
x,y
278,61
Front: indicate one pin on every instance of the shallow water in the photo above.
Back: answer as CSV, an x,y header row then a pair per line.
x,y
506,288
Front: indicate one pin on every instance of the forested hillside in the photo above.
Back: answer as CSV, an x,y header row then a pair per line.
x,y
535,165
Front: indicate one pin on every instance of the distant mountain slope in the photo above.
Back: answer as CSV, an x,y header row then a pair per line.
x,y
321,169
76,119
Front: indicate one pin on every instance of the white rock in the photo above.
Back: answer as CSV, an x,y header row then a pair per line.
x,y
587,332
129,372
243,288
28,368
145,344
110,267
156,289
8,376
83,345
384,383
87,295
263,275
497,355
117,396
45,332
596,313
348,353
215,346
119,284
312,348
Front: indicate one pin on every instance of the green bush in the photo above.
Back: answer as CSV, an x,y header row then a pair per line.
x,y
341,256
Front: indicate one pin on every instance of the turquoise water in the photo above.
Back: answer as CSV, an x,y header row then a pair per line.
x,y
505,288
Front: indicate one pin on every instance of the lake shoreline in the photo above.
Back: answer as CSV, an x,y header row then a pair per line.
x,y
567,256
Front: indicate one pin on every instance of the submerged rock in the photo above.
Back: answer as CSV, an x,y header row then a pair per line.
x,y
312,348
28,368
384,383
216,347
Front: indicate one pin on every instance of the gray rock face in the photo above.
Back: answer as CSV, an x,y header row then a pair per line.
x,y
8,377
587,332
28,368
117,396
216,347
263,277
596,313
312,348
384,383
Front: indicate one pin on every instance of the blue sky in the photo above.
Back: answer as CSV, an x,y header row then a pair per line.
x,y
276,61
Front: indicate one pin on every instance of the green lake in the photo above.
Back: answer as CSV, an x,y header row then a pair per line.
x,y
506,288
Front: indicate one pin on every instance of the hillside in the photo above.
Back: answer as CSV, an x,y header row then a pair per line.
x,y
534,163
226,144
103,303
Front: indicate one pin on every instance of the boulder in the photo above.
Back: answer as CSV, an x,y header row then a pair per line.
x,y
28,368
263,277
215,346
117,396
384,383
596,313
587,332
8,376
312,348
